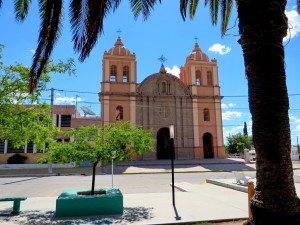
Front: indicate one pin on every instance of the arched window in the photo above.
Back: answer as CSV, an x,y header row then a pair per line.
x,y
113,74
206,114
209,78
119,112
164,87
198,77
125,74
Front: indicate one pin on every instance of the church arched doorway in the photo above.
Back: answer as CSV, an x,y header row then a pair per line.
x,y
208,146
162,148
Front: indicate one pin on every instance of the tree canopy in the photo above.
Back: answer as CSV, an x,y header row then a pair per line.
x,y
237,143
118,141
23,117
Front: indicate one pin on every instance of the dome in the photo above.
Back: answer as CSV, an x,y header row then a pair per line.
x,y
119,49
197,54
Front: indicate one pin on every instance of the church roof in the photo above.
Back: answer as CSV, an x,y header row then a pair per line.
x,y
119,49
197,54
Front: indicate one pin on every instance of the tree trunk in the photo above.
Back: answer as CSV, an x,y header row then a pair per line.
x,y
262,26
93,179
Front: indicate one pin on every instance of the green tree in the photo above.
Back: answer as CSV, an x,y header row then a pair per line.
x,y
118,140
20,123
262,27
237,143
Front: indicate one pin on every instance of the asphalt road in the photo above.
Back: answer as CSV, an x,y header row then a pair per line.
x,y
52,186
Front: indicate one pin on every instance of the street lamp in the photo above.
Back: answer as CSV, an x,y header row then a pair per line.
x,y
112,168
171,130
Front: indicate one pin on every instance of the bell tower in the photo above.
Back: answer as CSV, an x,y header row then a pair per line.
x,y
119,84
201,76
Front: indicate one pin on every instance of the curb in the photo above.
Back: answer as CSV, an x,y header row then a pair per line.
x,y
231,186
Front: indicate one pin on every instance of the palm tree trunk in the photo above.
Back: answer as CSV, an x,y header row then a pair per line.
x,y
262,26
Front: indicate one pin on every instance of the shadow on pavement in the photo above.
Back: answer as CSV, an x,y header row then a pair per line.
x,y
196,165
34,217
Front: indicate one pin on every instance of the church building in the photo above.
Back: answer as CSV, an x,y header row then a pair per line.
x,y
192,103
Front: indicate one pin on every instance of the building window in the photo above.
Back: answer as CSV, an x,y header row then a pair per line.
x,y
119,113
206,114
125,74
164,87
113,74
65,121
11,148
209,79
198,77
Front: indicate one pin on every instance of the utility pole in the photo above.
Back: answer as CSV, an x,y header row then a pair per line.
x,y
51,114
76,106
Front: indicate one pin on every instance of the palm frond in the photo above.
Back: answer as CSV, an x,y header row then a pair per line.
x,y
78,16
298,6
183,8
0,3
193,7
226,7
96,12
50,13
87,22
144,6
214,10
21,9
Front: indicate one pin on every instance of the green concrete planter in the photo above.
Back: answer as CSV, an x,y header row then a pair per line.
x,y
69,204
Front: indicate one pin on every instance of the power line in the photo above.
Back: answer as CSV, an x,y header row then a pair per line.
x,y
96,93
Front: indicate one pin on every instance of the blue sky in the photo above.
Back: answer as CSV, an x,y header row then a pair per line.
x,y
163,33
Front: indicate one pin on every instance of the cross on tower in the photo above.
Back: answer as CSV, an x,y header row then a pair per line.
x,y
196,39
119,32
162,59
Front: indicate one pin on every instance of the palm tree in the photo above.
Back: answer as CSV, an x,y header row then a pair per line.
x,y
262,27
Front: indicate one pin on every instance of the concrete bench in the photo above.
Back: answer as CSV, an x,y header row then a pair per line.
x,y
16,205
241,179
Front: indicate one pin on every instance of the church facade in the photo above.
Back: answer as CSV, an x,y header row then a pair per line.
x,y
192,103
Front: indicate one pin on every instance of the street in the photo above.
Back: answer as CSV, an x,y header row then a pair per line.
x,y
52,186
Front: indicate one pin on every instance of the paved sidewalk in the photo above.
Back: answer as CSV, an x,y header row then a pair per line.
x,y
132,167
216,200
202,202
136,167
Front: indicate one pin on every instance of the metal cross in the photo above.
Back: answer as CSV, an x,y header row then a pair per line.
x,y
162,59
196,39
119,32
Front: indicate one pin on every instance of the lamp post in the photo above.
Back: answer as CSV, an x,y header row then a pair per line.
x,y
112,168
171,130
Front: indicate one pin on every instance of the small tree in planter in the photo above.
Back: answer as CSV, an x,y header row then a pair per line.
x,y
99,144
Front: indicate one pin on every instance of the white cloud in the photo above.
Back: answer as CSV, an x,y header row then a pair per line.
x,y
32,51
234,130
66,100
294,119
297,128
230,115
294,24
221,49
226,106
175,70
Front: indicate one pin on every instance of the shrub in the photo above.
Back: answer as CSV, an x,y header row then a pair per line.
x,y
16,159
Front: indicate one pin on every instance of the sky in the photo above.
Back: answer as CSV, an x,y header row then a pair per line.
x,y
163,33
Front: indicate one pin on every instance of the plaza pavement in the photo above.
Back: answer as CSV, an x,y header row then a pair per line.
x,y
215,200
